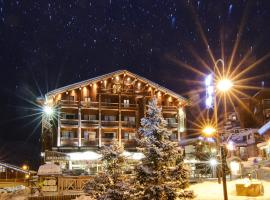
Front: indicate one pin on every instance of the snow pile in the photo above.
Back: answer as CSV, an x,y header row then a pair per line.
x,y
83,197
14,193
49,169
210,190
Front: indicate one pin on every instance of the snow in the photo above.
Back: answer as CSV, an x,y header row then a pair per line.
x,y
210,190
49,169
14,193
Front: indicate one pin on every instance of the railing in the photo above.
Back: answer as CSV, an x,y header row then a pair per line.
x,y
73,183
169,108
86,142
69,103
128,106
109,105
69,142
129,124
107,141
89,104
172,125
109,123
89,122
71,122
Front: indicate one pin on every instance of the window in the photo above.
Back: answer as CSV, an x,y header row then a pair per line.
x,y
110,118
87,99
68,134
171,120
89,117
69,116
126,103
129,136
71,98
129,119
85,135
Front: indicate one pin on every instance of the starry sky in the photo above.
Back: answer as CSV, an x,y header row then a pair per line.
x,y
48,44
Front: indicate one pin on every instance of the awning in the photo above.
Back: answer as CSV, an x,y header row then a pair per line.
x,y
264,128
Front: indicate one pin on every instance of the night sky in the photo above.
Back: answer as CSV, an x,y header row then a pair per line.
x,y
48,44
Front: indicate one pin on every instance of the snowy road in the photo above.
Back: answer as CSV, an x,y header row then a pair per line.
x,y
213,191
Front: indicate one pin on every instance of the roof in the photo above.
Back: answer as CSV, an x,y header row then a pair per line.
x,y
115,73
49,169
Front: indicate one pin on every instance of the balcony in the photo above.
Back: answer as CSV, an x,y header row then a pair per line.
x,y
69,103
69,122
169,108
172,125
107,141
109,105
86,123
109,123
90,104
128,124
69,142
129,106
87,142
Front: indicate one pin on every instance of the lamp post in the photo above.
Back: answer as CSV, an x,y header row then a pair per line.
x,y
223,85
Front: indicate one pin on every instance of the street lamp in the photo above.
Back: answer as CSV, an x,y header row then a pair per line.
x,y
224,85
48,110
215,84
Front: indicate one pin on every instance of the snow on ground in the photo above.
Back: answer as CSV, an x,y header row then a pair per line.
x,y
209,190
14,193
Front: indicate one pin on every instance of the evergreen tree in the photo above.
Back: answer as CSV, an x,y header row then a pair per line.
x,y
112,183
161,175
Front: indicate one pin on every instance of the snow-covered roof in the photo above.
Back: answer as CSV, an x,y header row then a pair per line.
x,y
115,73
49,169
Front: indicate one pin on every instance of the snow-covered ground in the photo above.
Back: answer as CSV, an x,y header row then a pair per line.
x,y
14,193
209,190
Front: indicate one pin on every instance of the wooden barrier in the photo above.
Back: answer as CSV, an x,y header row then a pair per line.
x,y
72,183
61,197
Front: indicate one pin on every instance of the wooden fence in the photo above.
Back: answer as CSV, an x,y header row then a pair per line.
x,y
62,197
72,183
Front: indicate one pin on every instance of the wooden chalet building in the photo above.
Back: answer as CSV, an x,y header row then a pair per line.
x,y
93,112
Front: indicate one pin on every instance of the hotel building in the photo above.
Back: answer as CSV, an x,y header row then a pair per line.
x,y
94,112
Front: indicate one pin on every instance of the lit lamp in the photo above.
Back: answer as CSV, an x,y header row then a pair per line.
x,y
209,130
48,110
25,167
213,162
224,85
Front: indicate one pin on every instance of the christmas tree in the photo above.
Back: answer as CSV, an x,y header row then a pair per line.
x,y
112,183
161,175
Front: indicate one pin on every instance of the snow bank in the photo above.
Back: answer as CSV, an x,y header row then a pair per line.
x,y
83,197
14,193
209,190
49,169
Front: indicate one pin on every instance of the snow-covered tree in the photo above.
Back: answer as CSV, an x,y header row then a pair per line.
x,y
112,183
161,175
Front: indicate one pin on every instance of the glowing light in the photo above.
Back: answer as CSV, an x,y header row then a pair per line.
x,y
213,162
88,155
224,85
27,176
209,91
209,130
235,167
230,146
133,155
48,110
25,167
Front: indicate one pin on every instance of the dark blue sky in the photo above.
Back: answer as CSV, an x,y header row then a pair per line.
x,y
47,44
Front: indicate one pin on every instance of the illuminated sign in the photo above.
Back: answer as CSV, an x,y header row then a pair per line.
x,y
209,91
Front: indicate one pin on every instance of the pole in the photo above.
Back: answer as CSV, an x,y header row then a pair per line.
x,y
219,142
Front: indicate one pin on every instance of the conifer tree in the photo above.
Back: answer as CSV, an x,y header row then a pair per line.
x,y
162,174
112,183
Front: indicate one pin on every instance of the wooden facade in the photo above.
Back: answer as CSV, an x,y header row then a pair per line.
x,y
92,113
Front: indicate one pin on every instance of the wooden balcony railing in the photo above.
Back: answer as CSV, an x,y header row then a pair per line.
x,y
109,123
107,141
69,142
129,106
172,125
90,104
86,142
169,108
129,124
69,103
71,122
89,122
109,105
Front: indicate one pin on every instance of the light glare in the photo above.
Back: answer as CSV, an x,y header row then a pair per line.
x,y
48,110
224,85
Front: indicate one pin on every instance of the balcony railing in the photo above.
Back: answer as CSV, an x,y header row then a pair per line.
x,y
169,108
69,103
86,142
109,105
71,122
90,104
128,106
129,124
89,122
107,141
172,125
69,142
109,123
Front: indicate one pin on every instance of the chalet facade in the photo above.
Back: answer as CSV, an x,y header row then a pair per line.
x,y
97,111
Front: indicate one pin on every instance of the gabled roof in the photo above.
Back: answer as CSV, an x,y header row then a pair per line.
x,y
115,73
